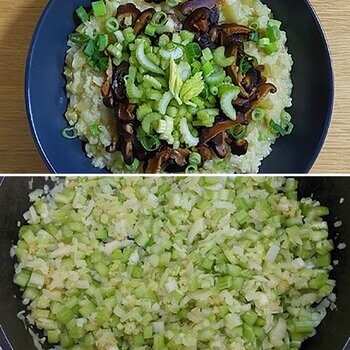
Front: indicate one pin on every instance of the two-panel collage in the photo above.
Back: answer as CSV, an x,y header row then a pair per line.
x,y
174,175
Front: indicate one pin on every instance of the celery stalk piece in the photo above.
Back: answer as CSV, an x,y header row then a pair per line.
x,y
145,61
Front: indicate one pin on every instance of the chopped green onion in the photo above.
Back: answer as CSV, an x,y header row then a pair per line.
x,y
103,63
244,65
94,130
192,168
78,38
263,42
159,19
149,142
102,42
273,33
271,48
274,22
258,114
254,36
99,8
150,29
129,35
195,158
285,128
196,67
172,3
214,90
82,14
69,133
112,25
90,48
254,24
187,35
115,50
193,51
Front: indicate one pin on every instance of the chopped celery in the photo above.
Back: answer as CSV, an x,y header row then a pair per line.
x,y
192,88
174,262
145,61
221,59
227,94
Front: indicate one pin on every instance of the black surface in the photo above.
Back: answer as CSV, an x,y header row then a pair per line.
x,y
312,93
332,333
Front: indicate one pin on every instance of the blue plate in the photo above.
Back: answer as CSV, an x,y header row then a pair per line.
x,y
313,91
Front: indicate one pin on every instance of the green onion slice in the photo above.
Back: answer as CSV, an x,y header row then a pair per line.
x,y
78,38
112,25
82,14
159,19
69,133
258,114
149,142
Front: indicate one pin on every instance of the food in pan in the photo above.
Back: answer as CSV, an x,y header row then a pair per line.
x,y
175,263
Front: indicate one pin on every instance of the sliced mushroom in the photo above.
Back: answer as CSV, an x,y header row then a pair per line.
x,y
209,133
198,21
139,152
126,112
179,156
125,134
126,148
204,151
176,22
118,84
106,88
239,147
191,5
242,104
235,29
253,78
220,147
127,10
214,35
204,41
237,77
143,20
214,16
261,92
107,94
113,146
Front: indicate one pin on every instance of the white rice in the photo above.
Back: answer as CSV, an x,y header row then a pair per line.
x,y
86,106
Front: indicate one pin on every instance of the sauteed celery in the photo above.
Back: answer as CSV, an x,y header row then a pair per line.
x,y
175,263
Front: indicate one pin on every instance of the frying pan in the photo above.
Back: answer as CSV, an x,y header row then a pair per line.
x,y
333,333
